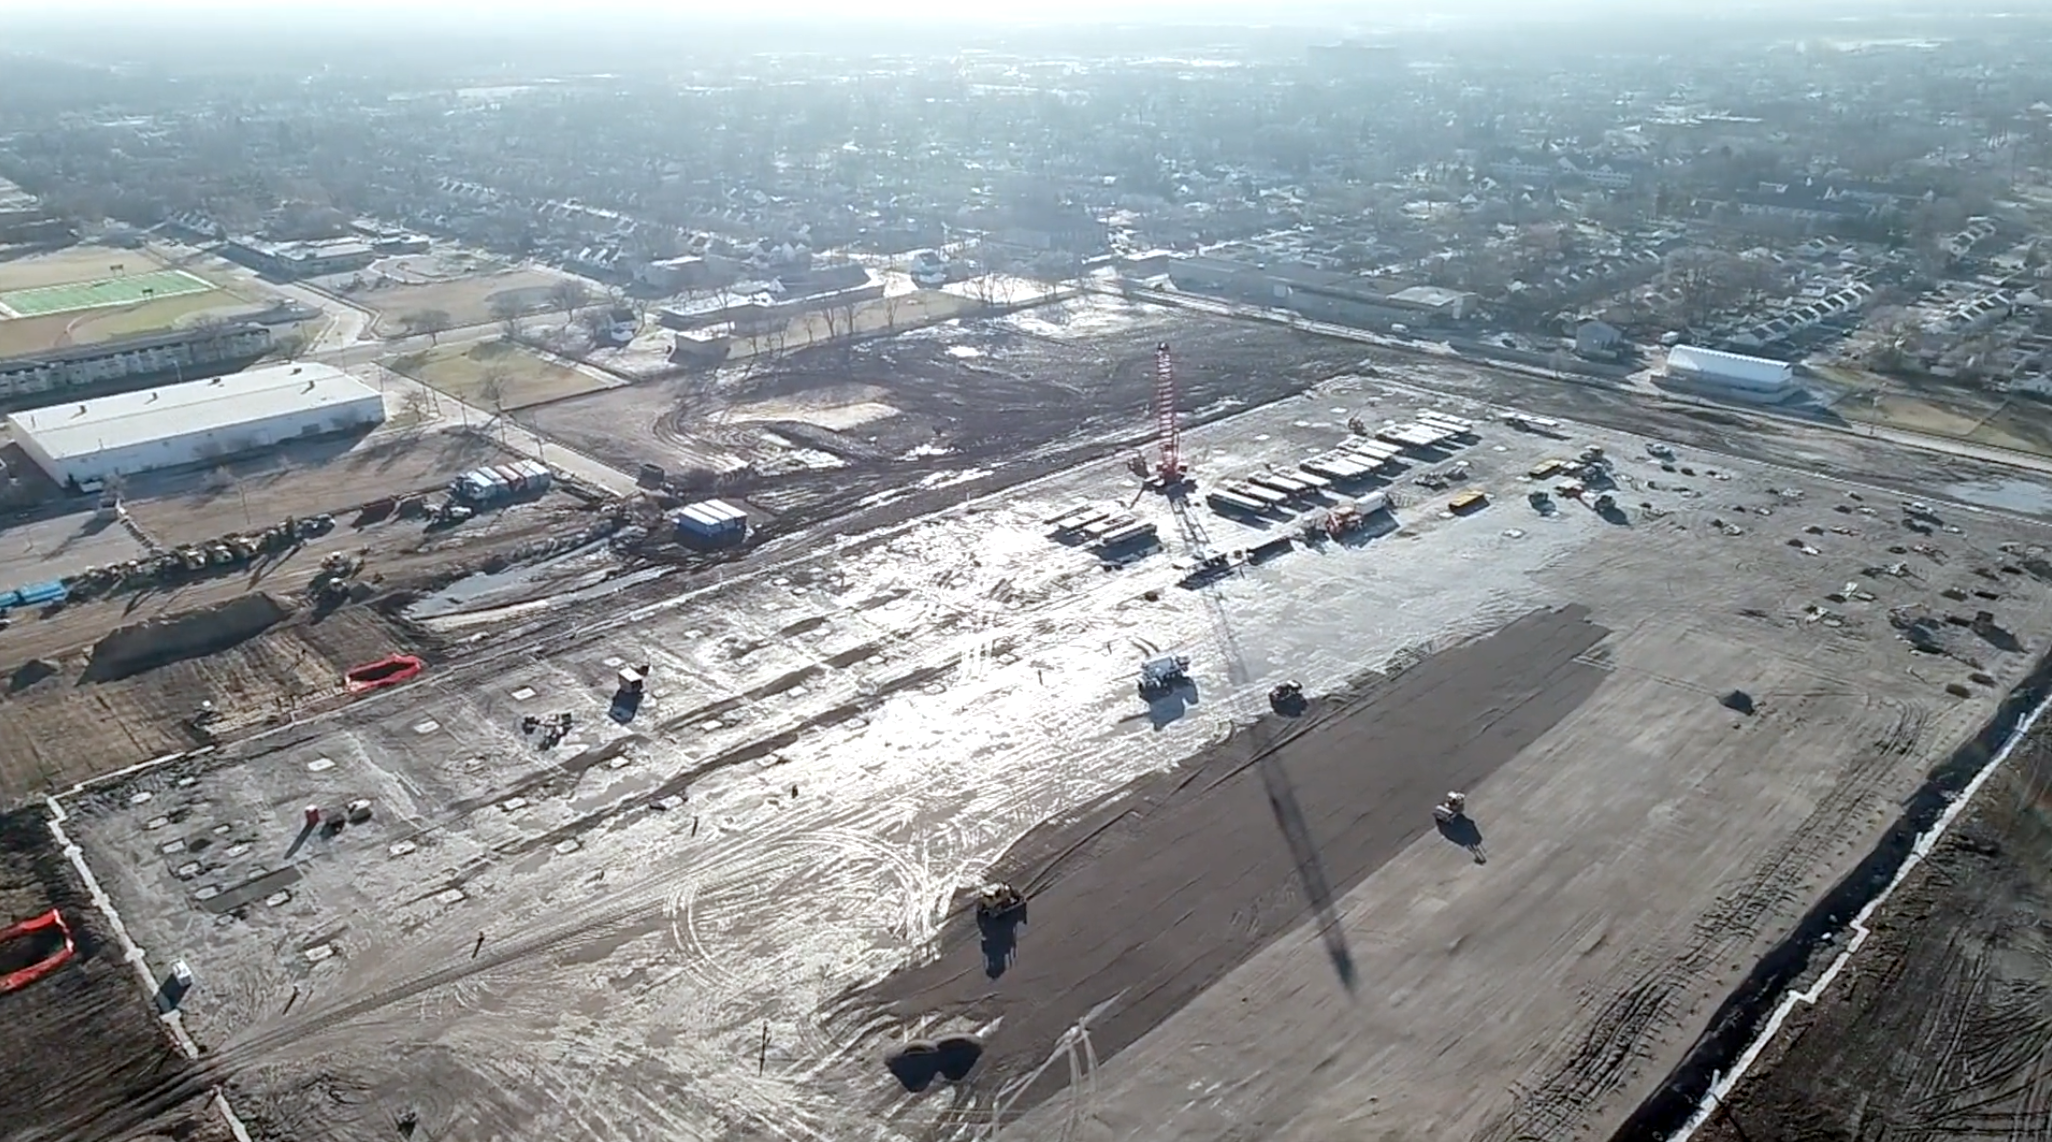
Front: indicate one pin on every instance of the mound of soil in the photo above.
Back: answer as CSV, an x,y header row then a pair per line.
x,y
144,646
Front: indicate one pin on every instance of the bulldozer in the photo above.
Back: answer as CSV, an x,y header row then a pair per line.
x,y
1287,697
996,901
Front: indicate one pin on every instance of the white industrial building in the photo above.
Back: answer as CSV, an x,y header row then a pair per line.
x,y
1732,375
198,422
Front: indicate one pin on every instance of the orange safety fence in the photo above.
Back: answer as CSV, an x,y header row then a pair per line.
x,y
51,921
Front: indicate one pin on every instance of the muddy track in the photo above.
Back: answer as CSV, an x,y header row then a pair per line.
x,y
1631,1020
1145,899
1817,936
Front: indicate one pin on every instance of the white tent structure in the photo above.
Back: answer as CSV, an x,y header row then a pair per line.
x,y
1734,375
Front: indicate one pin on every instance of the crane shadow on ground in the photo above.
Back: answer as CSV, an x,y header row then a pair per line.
x,y
1289,816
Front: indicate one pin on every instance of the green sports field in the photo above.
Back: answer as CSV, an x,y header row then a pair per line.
x,y
130,290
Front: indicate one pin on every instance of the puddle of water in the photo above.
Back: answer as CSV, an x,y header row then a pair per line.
x,y
2025,497
594,559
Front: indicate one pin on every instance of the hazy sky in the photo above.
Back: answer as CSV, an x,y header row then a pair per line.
x,y
1366,12
1008,10
592,24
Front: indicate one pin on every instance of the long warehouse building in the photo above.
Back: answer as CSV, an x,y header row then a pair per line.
x,y
199,422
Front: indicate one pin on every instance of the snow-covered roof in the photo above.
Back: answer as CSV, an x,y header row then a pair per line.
x,y
1729,368
81,428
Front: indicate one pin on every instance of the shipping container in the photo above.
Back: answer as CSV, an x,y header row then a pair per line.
x,y
1098,529
39,594
1056,520
1467,501
538,475
1414,436
1371,503
1262,552
1374,451
1458,425
1314,481
1080,520
713,522
516,480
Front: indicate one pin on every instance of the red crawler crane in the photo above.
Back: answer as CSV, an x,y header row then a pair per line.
x,y
1170,467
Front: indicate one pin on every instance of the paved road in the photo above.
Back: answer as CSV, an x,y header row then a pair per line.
x,y
515,435
344,344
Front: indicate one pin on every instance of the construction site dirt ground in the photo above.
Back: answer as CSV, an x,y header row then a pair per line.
x,y
883,413
65,727
88,1027
1942,1024
519,940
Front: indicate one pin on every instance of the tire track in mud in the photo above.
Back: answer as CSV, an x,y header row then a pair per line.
x,y
1143,899
1735,919
622,915
1629,1022
1596,1064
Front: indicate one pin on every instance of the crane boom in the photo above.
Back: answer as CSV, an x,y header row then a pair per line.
x,y
1168,434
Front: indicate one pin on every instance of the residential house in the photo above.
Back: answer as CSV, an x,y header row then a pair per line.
x,y
201,351
1597,340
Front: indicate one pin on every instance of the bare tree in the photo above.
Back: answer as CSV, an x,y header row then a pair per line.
x,y
415,405
290,346
891,301
511,331
492,390
506,307
568,295
429,321
983,287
